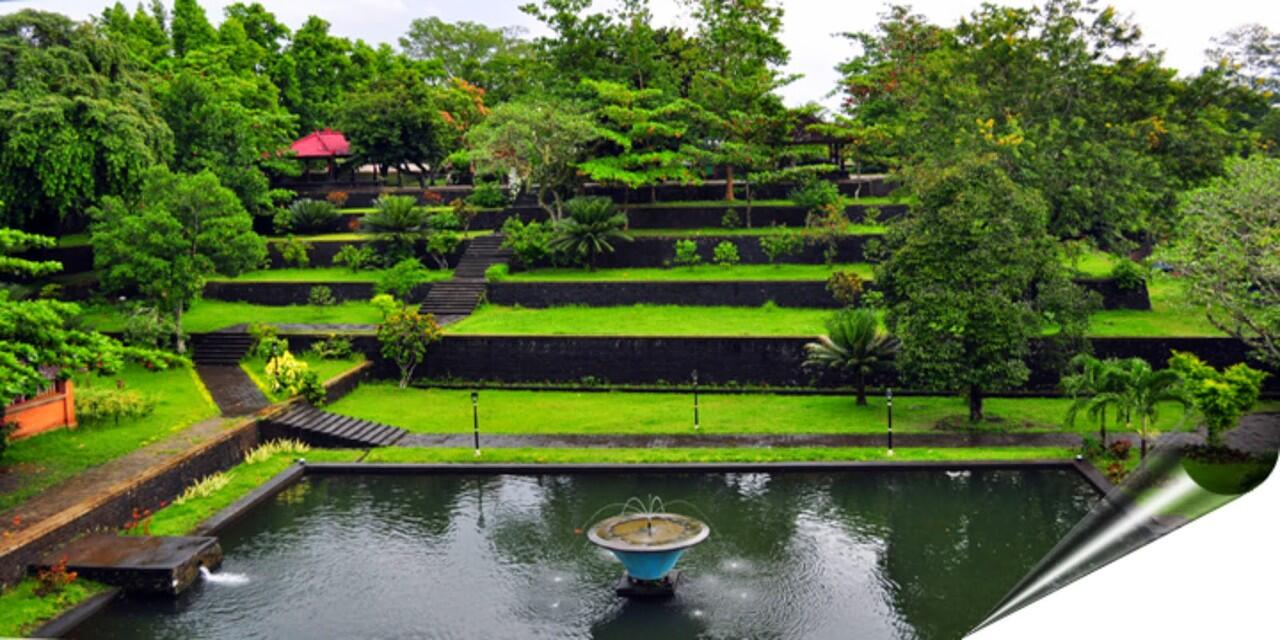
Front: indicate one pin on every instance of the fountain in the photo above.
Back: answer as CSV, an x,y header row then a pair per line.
x,y
648,542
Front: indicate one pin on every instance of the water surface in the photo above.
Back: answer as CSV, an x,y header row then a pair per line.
x,y
902,554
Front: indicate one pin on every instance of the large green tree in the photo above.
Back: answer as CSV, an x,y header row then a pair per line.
x,y
496,59
190,28
972,280
395,121
76,121
644,133
178,231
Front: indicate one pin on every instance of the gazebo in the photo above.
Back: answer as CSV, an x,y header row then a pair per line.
x,y
325,144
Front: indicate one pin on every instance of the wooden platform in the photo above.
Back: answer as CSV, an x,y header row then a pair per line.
x,y
147,564
324,429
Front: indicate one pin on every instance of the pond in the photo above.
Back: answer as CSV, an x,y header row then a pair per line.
x,y
884,554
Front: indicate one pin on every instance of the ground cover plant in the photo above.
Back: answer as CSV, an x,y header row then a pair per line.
x,y
322,274
799,272
324,368
34,464
601,413
211,315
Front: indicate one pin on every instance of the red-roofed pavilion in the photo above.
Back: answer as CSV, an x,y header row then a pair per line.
x,y
325,144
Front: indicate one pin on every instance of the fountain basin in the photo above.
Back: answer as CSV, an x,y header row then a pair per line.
x,y
648,544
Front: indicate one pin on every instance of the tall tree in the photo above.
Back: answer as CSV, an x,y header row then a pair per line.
x,y
191,28
972,279
394,121
179,231
315,74
856,345
76,122
645,132
260,25
495,59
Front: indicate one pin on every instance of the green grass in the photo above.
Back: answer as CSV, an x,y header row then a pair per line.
x,y
1094,263
742,204
21,610
54,456
606,413
74,240
1170,315
644,320
802,272
325,369
358,236
851,229
211,315
322,275
707,454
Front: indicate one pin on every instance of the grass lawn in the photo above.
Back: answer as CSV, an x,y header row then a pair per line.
x,y
325,369
803,272
322,275
1170,315
707,454
644,320
852,229
21,610
358,236
211,315
742,204
601,413
1093,263
49,458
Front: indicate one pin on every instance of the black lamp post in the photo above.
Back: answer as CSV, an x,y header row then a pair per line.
x,y
475,419
888,403
696,422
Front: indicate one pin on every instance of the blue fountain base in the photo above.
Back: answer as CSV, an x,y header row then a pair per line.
x,y
629,587
649,565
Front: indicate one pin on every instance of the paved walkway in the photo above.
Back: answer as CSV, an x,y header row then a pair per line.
x,y
232,389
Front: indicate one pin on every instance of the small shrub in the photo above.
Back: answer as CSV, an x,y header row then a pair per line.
x,y
731,219
488,195
404,336
817,195
1116,472
530,242
846,287
355,257
873,250
725,254
289,376
1129,275
267,343
53,580
780,244
51,291
497,272
294,252
687,254
148,328
333,348
204,487
872,300
871,216
1119,450
401,221
337,198
308,216
96,405
321,296
431,198
401,279
1091,448
268,450
441,245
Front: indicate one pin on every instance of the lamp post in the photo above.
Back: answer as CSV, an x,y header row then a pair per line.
x,y
888,403
696,421
475,419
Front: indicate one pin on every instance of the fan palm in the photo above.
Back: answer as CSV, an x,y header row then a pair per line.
x,y
1090,379
1137,391
854,344
592,227
401,219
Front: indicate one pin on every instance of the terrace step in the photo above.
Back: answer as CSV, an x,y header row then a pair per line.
x,y
459,296
330,429
220,348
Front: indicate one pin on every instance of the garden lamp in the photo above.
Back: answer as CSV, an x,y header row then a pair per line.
x,y
888,403
475,419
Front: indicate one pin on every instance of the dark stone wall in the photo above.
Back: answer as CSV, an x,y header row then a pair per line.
x,y
658,217
323,251
74,259
289,293
762,361
658,251
1115,296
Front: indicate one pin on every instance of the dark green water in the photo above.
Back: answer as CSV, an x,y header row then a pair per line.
x,y
903,554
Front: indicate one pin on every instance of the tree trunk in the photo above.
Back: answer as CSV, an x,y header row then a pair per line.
x,y
1142,435
750,201
862,390
1103,426
975,404
728,183
179,344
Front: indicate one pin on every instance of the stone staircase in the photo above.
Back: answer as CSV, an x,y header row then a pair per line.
x,y
460,295
220,349
324,429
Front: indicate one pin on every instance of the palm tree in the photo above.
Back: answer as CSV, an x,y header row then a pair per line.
x,y
855,344
1137,390
402,219
592,227
1090,380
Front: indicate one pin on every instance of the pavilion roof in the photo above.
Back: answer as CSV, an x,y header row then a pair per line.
x,y
325,143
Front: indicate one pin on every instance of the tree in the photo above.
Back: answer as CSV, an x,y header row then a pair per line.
x,y
38,338
538,141
260,25
405,335
1091,378
75,121
972,279
401,219
191,28
1220,397
495,59
592,227
394,121
315,74
401,279
1137,391
855,344
180,230
1226,249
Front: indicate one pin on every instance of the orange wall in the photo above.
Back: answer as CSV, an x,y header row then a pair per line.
x,y
52,410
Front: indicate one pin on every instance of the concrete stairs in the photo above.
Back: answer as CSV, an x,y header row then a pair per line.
x,y
324,429
222,349
459,296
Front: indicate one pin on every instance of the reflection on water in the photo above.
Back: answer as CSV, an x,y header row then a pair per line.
x,y
911,554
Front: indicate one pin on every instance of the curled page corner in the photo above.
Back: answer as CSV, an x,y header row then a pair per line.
x,y
1175,485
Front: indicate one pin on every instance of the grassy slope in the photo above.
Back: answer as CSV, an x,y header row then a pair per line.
x,y
642,320
322,275
57,455
637,456
1170,315
211,315
563,412
21,610
705,272
852,229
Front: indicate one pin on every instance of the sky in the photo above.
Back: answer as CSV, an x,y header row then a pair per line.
x,y
1181,28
